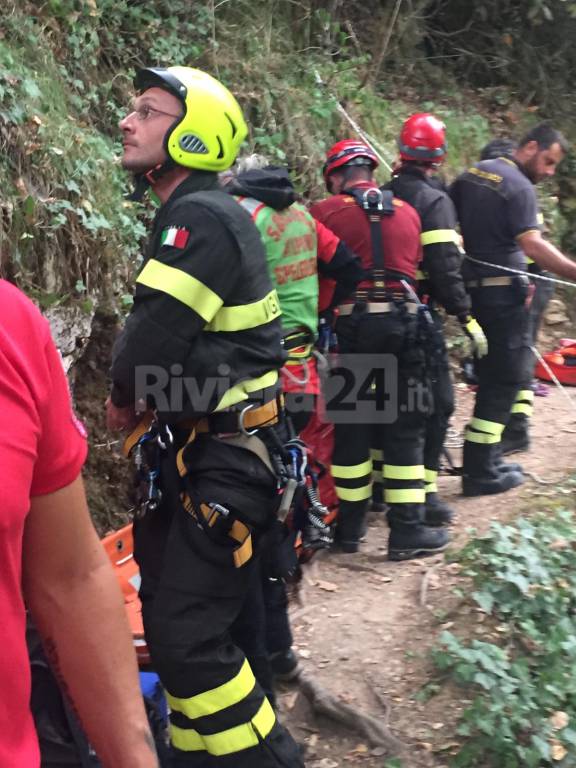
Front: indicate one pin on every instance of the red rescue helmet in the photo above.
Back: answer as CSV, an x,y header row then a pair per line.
x,y
348,152
423,138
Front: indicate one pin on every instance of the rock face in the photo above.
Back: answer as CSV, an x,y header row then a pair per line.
x,y
71,329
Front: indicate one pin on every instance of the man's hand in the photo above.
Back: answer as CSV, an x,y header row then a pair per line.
x,y
476,335
120,419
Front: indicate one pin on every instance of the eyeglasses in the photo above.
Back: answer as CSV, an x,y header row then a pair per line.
x,y
146,111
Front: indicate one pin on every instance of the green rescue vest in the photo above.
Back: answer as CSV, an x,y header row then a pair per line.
x,y
290,241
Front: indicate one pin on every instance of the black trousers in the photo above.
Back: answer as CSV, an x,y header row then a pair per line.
x,y
501,373
192,596
392,341
442,407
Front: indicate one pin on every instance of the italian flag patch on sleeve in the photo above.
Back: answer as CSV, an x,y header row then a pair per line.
x,y
177,237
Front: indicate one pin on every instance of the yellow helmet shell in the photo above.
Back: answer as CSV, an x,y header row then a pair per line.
x,y
209,135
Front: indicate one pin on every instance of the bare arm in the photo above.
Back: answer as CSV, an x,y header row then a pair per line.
x,y
76,602
546,255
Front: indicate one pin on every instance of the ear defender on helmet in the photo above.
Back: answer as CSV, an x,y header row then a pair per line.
x,y
348,152
423,138
209,134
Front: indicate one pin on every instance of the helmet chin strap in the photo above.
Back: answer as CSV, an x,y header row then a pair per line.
x,y
148,178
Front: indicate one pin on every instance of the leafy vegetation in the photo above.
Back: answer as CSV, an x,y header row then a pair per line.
x,y
523,712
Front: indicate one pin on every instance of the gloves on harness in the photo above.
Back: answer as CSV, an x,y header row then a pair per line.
x,y
476,335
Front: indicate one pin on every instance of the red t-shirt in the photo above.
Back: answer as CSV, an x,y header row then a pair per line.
x,y
42,449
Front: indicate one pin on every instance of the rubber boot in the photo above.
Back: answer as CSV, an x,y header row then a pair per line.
x,y
436,511
350,525
515,437
409,536
480,473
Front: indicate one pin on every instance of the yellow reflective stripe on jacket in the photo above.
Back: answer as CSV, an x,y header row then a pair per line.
x,y
404,495
396,472
354,494
216,699
246,316
482,425
227,742
181,286
420,275
433,236
240,391
481,437
352,472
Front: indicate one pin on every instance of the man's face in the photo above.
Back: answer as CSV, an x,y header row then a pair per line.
x,y
541,163
144,129
335,182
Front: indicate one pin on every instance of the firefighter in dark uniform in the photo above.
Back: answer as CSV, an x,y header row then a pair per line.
x,y
422,145
201,348
498,212
381,319
516,435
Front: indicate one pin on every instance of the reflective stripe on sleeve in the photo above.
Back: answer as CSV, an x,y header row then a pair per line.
x,y
433,236
181,286
240,392
246,316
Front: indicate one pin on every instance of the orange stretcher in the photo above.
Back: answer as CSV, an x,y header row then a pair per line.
x,y
119,547
562,363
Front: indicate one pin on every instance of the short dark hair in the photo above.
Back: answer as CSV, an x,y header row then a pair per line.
x,y
498,148
545,136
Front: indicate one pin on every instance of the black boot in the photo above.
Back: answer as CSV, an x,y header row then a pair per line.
x,y
480,473
505,466
409,536
350,525
436,511
515,437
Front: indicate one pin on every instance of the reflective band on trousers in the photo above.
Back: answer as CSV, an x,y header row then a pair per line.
x,y
246,316
525,396
354,494
376,454
181,286
227,742
210,702
482,425
241,391
433,236
352,472
395,472
524,408
404,495
481,437
430,477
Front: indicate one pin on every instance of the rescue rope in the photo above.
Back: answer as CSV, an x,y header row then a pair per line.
x,y
553,376
363,135
520,272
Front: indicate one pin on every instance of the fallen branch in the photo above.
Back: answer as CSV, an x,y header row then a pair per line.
x,y
373,730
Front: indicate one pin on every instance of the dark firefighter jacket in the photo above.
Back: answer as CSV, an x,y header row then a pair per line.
x,y
205,320
441,258
337,265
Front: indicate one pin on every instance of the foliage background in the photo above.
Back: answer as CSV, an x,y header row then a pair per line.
x,y
66,233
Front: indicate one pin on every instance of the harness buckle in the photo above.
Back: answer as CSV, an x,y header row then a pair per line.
x,y
241,427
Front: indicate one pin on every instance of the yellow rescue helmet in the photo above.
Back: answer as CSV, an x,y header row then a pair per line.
x,y
209,134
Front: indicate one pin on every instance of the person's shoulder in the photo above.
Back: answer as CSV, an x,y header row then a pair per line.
x,y
15,307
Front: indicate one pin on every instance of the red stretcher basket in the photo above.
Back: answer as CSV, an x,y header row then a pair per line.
x,y
119,547
562,363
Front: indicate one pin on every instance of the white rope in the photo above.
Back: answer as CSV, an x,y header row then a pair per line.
x,y
552,375
363,135
520,272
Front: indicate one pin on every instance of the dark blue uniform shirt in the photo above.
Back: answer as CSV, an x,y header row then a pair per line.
x,y
496,203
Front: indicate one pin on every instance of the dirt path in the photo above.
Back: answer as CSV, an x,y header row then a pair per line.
x,y
366,625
